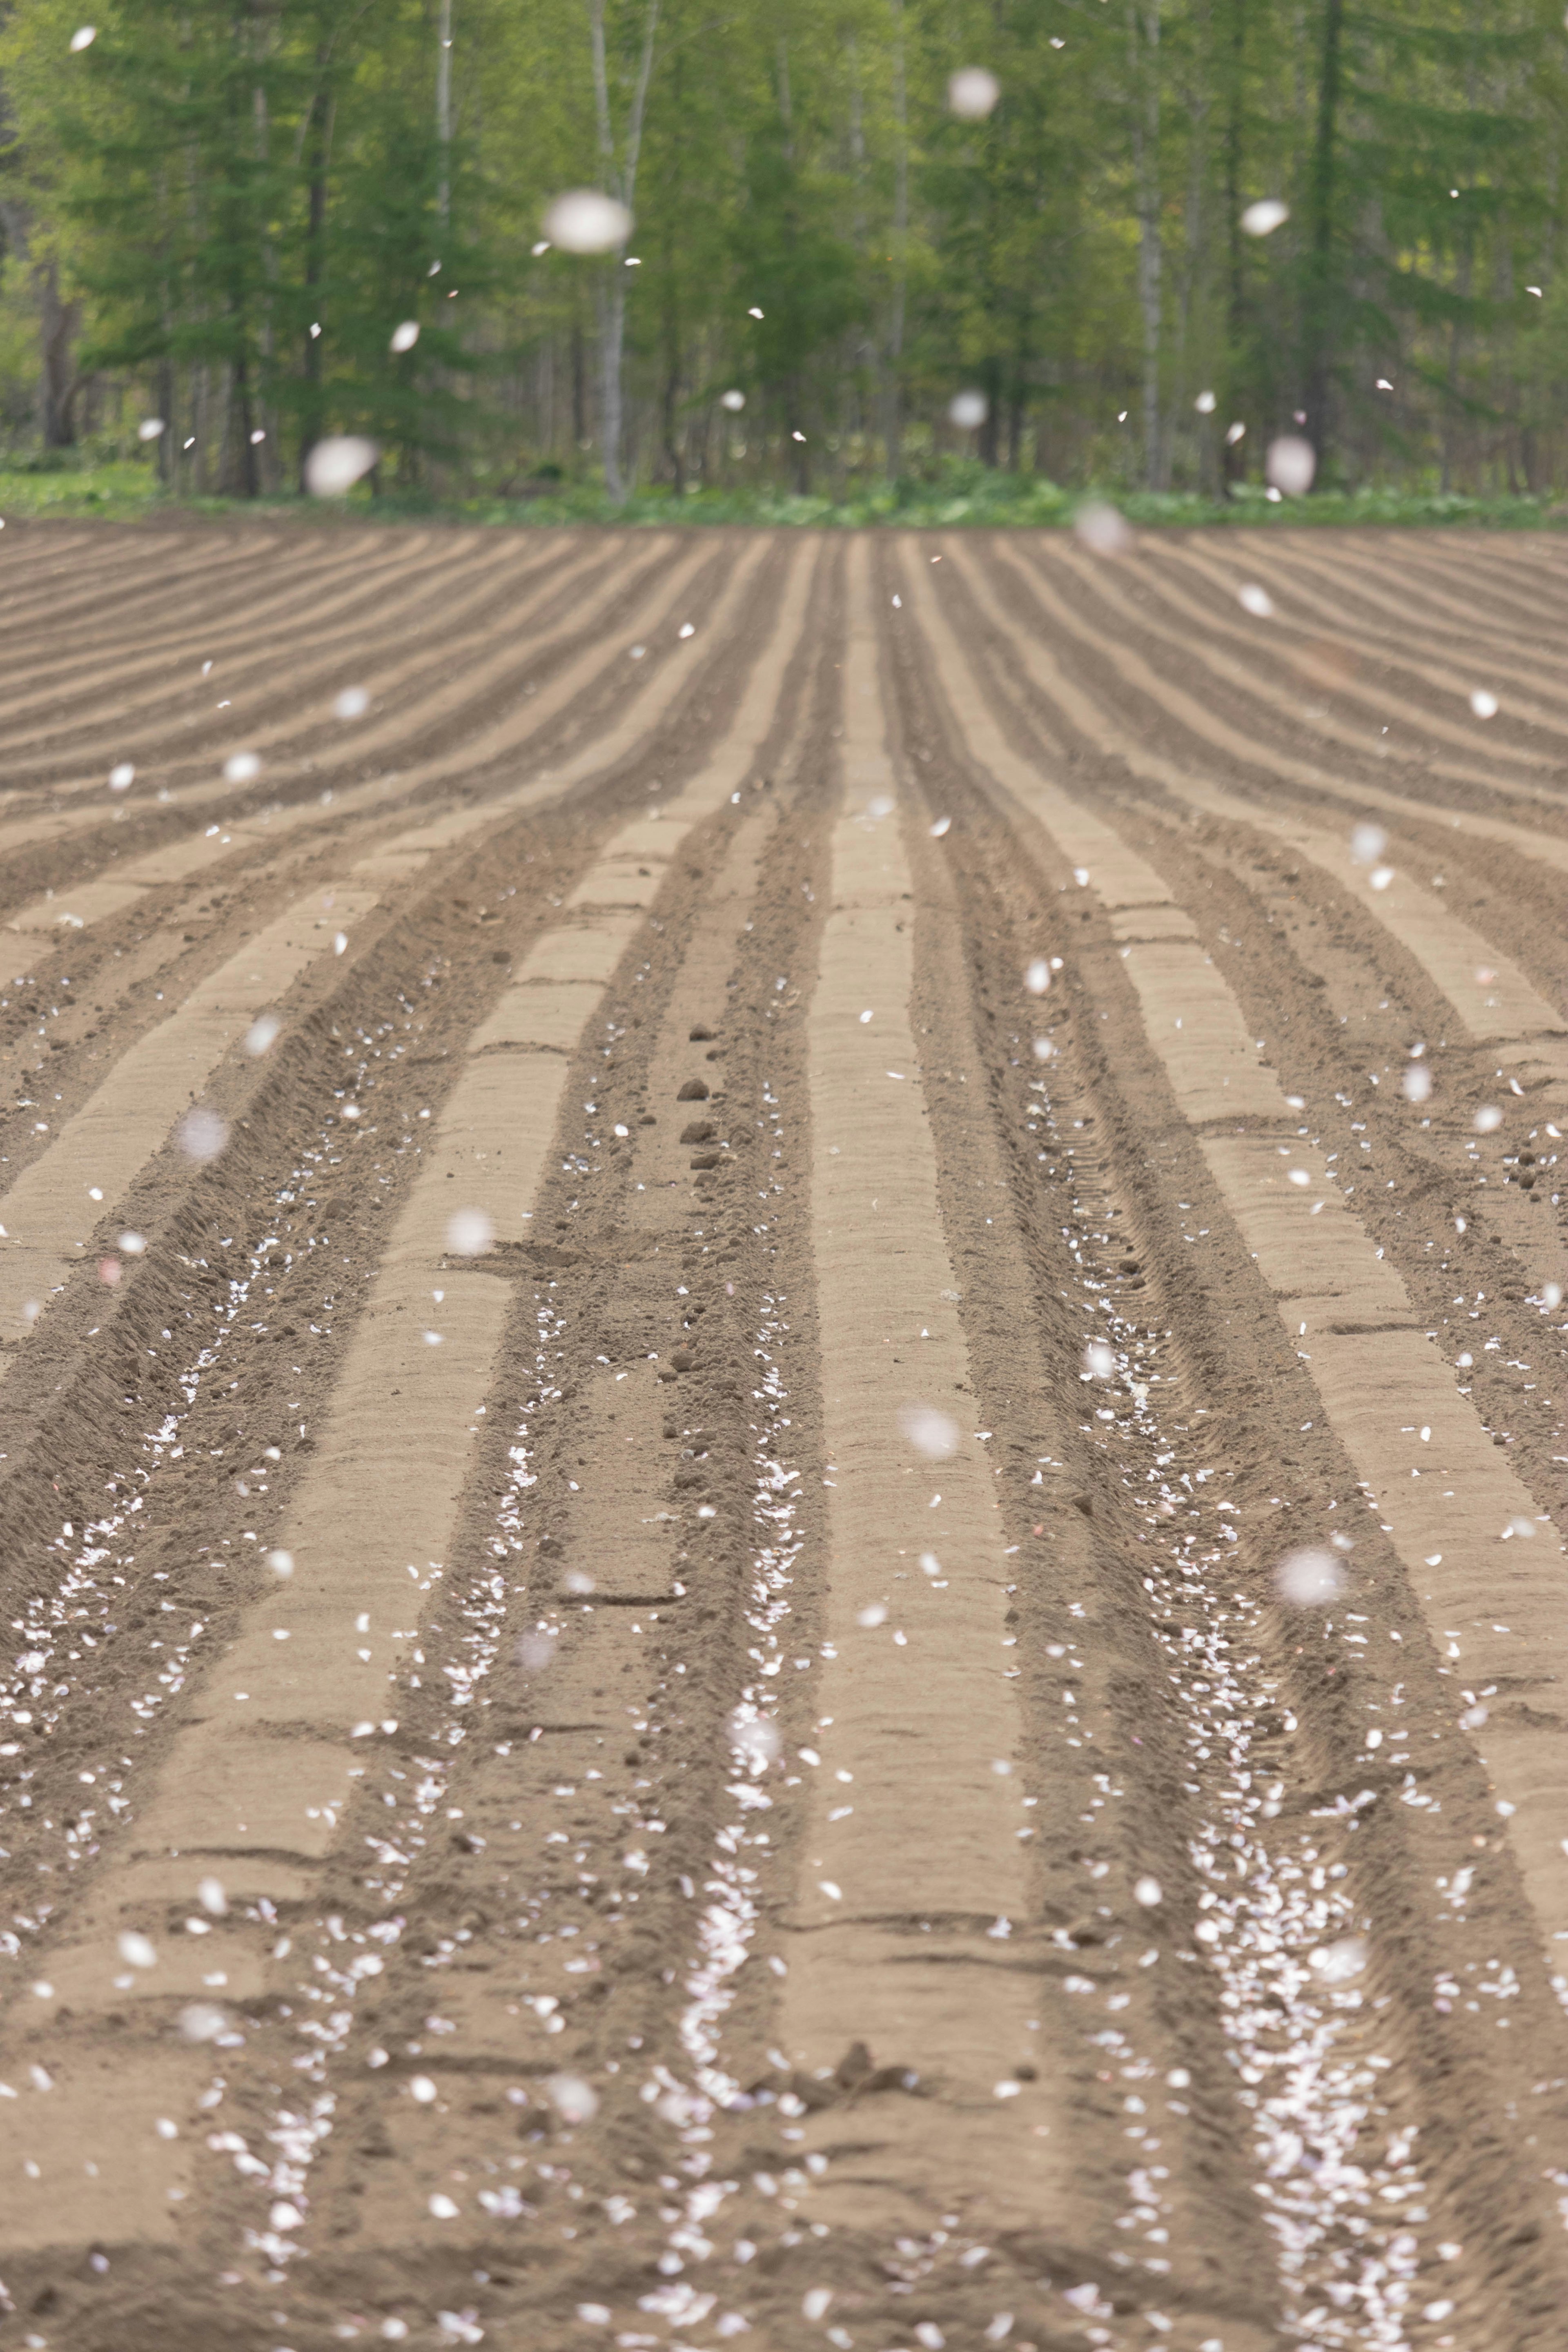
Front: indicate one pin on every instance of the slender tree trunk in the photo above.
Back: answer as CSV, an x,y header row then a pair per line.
x,y
262,459
58,322
444,116
319,143
1318,358
168,440
675,456
674,197
892,409
620,178
1145,26
1193,258
612,342
579,374
250,472
799,448
991,430
1234,460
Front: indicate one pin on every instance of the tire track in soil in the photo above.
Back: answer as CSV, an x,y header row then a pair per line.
x,y
657,715
1187,715
1466,973
1258,1964
434,671
240,619
1326,654
493,686
1268,672
1436,940
488,729
1131,885
57,917
251,981
570,960
260,623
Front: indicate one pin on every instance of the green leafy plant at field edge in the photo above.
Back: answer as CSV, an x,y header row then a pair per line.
x,y
963,497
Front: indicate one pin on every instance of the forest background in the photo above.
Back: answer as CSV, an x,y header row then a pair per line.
x,y
218,213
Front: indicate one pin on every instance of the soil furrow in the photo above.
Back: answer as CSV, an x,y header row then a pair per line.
x,y
790,1606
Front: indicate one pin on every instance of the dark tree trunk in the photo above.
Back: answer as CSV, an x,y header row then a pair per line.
x,y
249,474
59,382
1318,357
991,431
800,451
317,148
1235,459
58,322
579,384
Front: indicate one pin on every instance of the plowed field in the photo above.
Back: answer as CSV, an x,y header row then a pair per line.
x,y
677,1293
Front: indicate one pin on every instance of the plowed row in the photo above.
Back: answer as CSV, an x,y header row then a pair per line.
x,y
666,1307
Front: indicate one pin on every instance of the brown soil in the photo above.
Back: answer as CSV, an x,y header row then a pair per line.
x,y
666,1306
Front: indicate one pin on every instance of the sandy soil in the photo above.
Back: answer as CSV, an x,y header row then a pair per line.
x,y
667,1302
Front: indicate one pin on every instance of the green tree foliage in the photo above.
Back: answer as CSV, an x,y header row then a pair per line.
x,y
234,203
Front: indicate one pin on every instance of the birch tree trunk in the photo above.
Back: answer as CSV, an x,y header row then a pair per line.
x,y
1318,320
892,413
619,173
1143,25
444,116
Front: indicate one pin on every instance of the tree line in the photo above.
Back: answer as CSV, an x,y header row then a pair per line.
x,y
1102,240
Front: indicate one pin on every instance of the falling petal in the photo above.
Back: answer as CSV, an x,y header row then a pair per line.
x,y
1308,1578
469,1232
929,1431
574,2100
1289,465
973,92
1102,530
1339,1962
335,465
587,221
202,1134
1264,218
